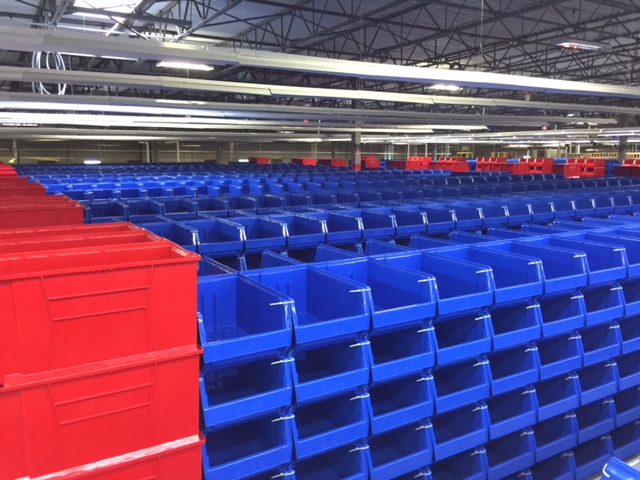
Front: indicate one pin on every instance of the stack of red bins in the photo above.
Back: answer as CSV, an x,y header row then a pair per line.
x,y
98,355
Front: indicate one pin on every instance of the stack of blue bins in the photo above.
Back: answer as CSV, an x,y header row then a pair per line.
x,y
398,326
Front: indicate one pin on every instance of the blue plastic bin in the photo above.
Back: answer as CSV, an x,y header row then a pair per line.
x,y
555,435
590,457
462,338
510,454
595,419
233,329
329,423
630,333
628,370
515,325
626,443
178,233
233,453
179,208
627,403
400,352
462,287
218,237
562,314
341,229
148,210
212,206
603,304
460,430
616,469
376,224
598,381
302,231
514,368
564,270
471,465
461,384
208,266
631,292
607,263
512,412
600,343
106,211
559,467
517,278
327,307
399,451
557,395
328,370
403,401
231,394
560,355
439,220
262,233
399,296
339,464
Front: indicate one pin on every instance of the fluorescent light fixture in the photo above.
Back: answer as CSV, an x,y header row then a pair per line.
x,y
582,45
122,6
447,88
92,162
185,66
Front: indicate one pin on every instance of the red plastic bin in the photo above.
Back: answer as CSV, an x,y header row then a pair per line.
x,y
304,161
29,215
72,307
180,459
85,414
332,162
11,234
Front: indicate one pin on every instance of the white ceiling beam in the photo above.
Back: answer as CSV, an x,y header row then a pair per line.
x,y
30,40
154,82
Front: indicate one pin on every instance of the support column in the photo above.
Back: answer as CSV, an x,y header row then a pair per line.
x,y
388,151
356,155
178,151
154,152
219,153
434,153
623,147
334,149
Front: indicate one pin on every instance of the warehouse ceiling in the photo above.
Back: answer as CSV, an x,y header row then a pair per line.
x,y
312,70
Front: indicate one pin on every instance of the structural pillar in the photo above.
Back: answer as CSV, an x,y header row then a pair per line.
x,y
434,153
623,147
219,150
356,139
154,152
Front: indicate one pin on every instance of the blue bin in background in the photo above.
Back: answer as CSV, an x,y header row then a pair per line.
x,y
233,329
461,384
328,370
631,292
626,443
463,287
462,338
630,333
179,208
515,325
459,430
628,371
560,355
302,231
329,423
627,403
400,352
218,237
232,453
261,233
399,451
230,394
328,307
600,343
514,368
603,304
517,278
212,206
403,401
399,296
559,467
562,314
598,381
471,465
557,395
341,229
106,211
145,210
590,457
178,233
595,419
511,412
510,454
555,435
338,464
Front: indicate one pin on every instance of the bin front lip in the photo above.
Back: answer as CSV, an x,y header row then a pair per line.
x,y
19,381
181,256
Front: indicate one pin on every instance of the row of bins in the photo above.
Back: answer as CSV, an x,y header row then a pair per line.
x,y
99,358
